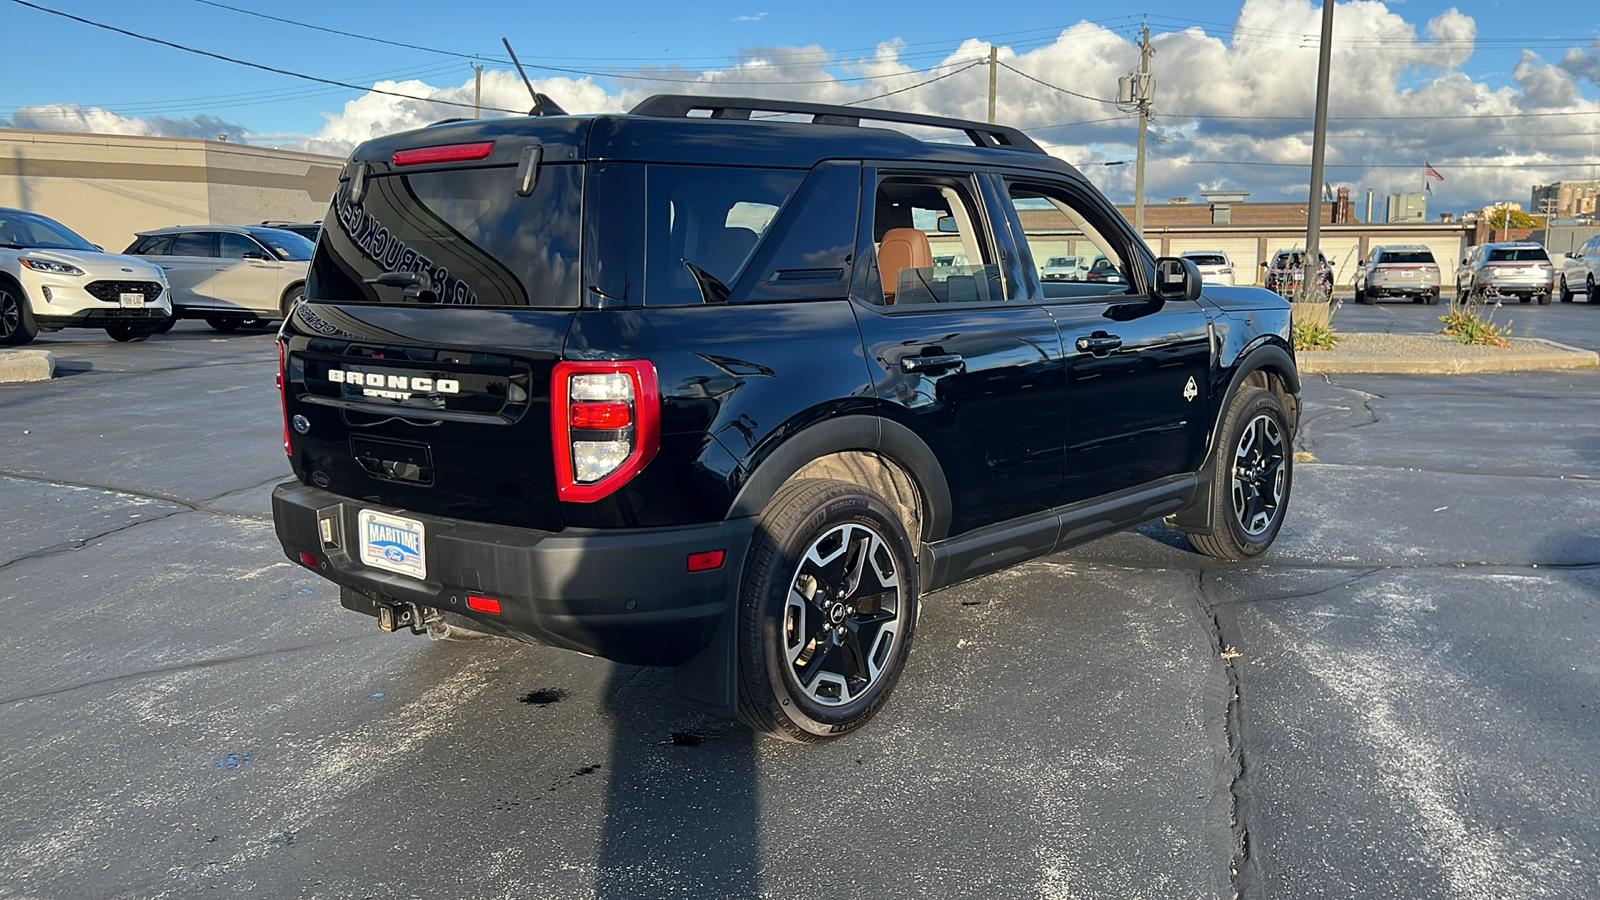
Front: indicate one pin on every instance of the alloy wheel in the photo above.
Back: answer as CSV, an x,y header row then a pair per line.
x,y
10,314
1258,475
842,616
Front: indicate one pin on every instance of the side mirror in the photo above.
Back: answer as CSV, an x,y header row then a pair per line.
x,y
1463,262
1177,279
1263,265
1362,264
947,225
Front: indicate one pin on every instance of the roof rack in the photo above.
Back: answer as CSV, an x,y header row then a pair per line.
x,y
679,106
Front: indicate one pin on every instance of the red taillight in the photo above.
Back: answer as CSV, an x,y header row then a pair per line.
x,y
447,153
483,604
706,560
605,425
283,400
309,560
601,415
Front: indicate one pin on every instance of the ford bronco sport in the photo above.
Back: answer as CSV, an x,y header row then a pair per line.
x,y
685,387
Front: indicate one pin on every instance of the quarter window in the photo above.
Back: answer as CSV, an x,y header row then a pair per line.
x,y
702,226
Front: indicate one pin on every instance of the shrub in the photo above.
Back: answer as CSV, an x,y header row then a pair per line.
x,y
1313,325
1466,321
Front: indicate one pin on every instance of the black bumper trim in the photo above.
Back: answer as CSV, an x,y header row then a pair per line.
x,y
621,594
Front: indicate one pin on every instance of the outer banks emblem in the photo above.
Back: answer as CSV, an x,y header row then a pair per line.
x,y
1190,390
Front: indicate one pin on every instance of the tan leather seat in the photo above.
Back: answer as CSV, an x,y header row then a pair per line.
x,y
902,248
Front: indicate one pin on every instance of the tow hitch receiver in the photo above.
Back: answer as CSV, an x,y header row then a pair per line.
x,y
401,615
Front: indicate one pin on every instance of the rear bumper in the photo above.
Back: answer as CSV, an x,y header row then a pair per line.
x,y
1403,289
623,594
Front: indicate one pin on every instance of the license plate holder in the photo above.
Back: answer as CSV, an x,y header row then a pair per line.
x,y
131,301
393,543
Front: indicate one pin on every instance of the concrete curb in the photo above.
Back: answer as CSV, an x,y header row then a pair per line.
x,y
26,365
1524,354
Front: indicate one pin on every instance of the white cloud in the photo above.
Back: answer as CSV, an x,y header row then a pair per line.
x,y
1225,103
72,117
750,18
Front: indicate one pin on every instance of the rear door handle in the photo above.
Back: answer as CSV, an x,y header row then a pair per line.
x,y
926,364
1099,344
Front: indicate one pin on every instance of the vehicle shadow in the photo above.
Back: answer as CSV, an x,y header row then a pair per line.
x,y
681,807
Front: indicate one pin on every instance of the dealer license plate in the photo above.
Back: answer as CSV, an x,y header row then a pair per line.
x,y
132,301
394,544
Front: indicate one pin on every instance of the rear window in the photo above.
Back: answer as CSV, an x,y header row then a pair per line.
x,y
464,232
1206,259
1518,254
1407,257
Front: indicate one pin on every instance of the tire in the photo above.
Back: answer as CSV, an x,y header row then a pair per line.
x,y
1588,289
1361,296
17,326
1544,298
165,326
1252,473
1431,298
225,325
129,334
1566,292
290,297
804,674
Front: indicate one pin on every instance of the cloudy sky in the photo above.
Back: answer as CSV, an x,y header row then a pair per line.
x,y
1497,94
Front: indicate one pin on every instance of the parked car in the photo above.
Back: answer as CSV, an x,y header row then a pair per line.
x,y
307,230
52,278
1518,269
1580,270
1062,268
1214,265
685,390
1104,271
1286,269
232,276
1398,270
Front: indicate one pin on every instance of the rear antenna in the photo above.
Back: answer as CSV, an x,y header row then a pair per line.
x,y
542,105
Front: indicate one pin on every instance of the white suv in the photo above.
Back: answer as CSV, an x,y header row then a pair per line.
x,y
232,276
1580,271
51,278
1214,265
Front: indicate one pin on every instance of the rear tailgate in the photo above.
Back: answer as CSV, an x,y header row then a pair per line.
x,y
444,282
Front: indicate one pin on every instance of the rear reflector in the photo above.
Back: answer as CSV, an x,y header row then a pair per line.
x,y
483,604
447,153
707,560
309,560
601,415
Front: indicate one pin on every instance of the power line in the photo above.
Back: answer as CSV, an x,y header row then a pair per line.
x,y
253,65
1054,87
915,86
349,34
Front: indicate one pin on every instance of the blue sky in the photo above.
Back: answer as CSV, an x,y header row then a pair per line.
x,y
1498,96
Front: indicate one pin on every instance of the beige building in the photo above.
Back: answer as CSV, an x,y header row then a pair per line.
x,y
107,187
1567,199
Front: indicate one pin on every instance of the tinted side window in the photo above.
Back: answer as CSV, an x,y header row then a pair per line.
x,y
194,243
153,245
235,246
706,218
1056,221
931,244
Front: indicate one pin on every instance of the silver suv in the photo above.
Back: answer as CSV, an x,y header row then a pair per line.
x,y
1580,271
1398,270
232,276
1518,269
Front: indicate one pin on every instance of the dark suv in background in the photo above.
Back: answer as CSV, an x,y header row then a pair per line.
x,y
685,387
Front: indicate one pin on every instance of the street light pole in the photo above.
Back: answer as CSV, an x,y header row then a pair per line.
x,y
1311,271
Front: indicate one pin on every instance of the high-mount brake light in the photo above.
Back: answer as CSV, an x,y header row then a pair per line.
x,y
447,153
605,425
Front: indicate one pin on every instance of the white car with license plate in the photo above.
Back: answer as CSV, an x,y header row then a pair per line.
x,y
51,278
232,276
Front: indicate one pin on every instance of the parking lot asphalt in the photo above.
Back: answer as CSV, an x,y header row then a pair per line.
x,y
1576,324
1399,699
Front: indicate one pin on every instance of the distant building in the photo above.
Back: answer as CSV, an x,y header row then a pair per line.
x,y
106,187
1407,207
1566,199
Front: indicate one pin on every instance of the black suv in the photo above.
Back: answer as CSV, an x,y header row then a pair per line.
x,y
686,387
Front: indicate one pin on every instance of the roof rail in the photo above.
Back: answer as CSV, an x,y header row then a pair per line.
x,y
678,106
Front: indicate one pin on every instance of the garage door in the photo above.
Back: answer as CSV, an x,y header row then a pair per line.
x,y
1242,251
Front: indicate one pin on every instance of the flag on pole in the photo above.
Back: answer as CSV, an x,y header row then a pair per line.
x,y
1430,172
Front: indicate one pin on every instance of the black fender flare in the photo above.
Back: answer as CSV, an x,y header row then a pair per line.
x,y
1196,518
844,433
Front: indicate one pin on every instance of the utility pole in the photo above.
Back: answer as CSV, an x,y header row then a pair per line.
x,y
994,66
1312,269
1135,92
477,93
